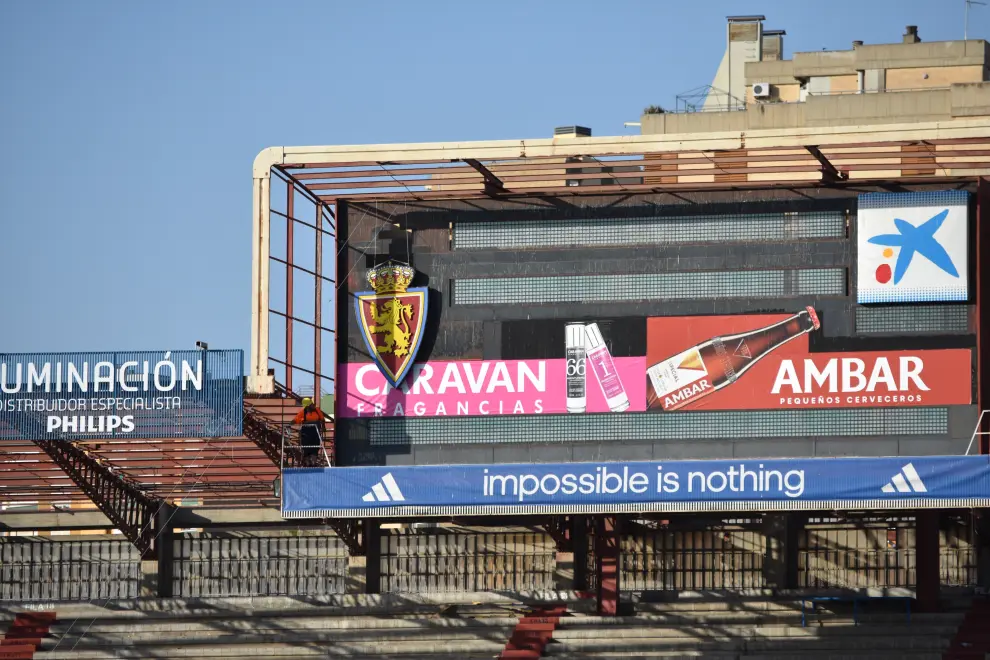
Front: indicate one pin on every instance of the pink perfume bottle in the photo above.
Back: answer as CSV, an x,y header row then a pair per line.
x,y
604,367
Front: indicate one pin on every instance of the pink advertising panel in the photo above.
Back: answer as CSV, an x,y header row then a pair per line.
x,y
499,387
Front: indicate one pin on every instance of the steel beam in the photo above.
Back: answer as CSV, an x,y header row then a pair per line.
x,y
265,434
982,312
829,173
318,310
927,560
493,185
608,537
129,508
512,153
121,500
560,530
289,279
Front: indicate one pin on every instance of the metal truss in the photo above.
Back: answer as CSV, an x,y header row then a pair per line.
x,y
269,437
131,510
350,532
263,433
560,530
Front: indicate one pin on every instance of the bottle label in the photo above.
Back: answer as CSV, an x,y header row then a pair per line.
x,y
608,377
575,373
681,379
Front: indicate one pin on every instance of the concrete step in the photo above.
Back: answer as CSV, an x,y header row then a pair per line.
x,y
860,644
660,620
727,605
87,612
565,631
621,655
89,639
756,617
458,649
346,603
303,653
782,644
843,655
361,624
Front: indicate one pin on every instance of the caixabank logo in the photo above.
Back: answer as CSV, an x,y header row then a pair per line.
x,y
912,247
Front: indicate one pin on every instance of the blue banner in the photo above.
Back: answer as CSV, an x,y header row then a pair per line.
x,y
659,486
149,394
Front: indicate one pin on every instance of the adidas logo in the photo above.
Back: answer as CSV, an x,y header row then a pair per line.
x,y
906,481
385,490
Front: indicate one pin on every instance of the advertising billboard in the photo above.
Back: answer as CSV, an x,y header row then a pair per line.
x,y
763,362
495,387
661,486
912,247
730,362
160,394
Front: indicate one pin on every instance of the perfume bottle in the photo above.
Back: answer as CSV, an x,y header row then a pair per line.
x,y
577,400
604,368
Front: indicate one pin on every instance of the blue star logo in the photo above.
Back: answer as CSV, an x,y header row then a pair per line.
x,y
920,240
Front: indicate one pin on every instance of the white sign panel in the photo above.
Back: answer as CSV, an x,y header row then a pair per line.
x,y
912,247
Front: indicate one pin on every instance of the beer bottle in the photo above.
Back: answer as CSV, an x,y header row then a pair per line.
x,y
697,372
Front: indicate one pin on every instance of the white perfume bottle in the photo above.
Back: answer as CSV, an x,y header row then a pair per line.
x,y
577,395
604,368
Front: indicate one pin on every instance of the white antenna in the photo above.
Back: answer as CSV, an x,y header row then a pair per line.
x,y
966,19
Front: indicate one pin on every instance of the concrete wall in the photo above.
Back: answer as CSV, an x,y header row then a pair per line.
x,y
933,76
689,553
826,107
888,108
886,67
971,100
924,54
775,72
933,54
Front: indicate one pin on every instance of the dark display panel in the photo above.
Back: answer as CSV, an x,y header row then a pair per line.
x,y
714,249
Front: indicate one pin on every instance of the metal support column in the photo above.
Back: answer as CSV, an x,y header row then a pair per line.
x,y
289,268
982,320
981,523
781,532
579,543
927,559
607,550
372,533
318,311
165,547
795,527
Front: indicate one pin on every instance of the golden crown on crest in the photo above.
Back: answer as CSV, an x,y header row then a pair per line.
x,y
391,277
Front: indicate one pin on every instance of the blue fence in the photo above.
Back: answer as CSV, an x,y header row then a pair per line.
x,y
124,394
661,486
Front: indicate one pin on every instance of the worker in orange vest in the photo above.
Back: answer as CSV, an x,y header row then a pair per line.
x,y
312,427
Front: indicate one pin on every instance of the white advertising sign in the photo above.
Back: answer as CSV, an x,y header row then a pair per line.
x,y
912,247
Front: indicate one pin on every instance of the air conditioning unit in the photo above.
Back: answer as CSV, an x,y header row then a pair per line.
x,y
761,90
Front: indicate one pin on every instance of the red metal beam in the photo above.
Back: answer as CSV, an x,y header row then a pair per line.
x,y
607,549
289,272
982,320
318,307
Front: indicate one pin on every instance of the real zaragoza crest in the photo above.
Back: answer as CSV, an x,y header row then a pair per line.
x,y
392,319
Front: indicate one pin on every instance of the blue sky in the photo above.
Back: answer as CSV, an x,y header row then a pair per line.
x,y
129,128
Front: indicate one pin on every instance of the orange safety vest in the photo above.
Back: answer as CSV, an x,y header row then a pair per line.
x,y
304,417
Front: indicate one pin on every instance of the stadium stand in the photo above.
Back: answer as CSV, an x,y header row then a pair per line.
x,y
478,625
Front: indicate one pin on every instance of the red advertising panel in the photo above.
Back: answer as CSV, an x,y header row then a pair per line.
x,y
757,362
